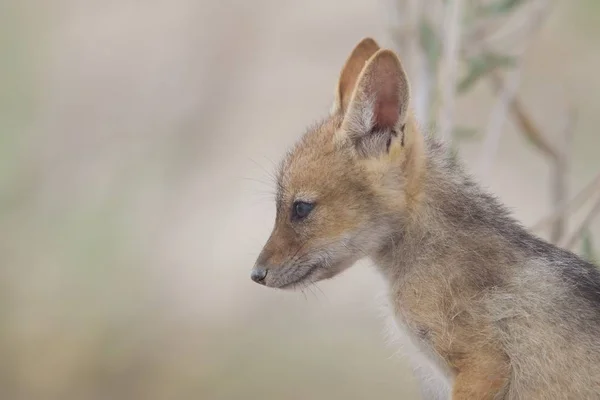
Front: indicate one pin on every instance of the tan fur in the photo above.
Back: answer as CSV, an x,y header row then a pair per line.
x,y
350,72
485,310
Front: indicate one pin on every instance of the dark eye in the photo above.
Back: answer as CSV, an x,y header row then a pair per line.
x,y
301,209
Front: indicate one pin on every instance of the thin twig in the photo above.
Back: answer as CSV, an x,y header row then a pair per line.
x,y
560,178
405,18
449,67
559,157
570,242
586,193
525,122
532,22
520,27
510,34
508,101
497,120
509,87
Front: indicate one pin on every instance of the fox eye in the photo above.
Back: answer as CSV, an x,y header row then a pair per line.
x,y
301,209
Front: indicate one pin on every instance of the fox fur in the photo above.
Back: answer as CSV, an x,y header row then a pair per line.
x,y
485,309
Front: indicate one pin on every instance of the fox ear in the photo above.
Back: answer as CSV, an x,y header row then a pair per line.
x,y
379,104
350,72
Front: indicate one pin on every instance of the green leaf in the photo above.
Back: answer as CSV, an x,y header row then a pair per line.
x,y
465,133
500,7
587,246
480,66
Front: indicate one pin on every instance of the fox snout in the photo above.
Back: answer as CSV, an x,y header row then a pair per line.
x,y
262,266
281,265
258,275
287,263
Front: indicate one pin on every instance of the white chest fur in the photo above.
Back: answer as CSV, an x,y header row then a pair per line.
x,y
434,379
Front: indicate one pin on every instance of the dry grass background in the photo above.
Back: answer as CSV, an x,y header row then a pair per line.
x,y
136,141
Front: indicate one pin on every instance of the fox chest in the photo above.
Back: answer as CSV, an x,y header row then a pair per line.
x,y
415,343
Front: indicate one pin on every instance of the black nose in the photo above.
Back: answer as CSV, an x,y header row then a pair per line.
x,y
258,275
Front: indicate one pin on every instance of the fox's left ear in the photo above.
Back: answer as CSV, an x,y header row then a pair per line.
x,y
355,63
379,105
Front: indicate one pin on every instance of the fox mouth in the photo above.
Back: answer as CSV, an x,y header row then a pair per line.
x,y
296,280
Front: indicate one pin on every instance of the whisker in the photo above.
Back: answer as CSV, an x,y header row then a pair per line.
x,y
303,293
269,184
320,290
309,288
268,172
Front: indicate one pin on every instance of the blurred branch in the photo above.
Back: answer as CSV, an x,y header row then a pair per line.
x,y
491,38
587,247
508,26
508,87
559,156
560,177
508,91
524,121
497,120
407,22
585,194
449,67
583,227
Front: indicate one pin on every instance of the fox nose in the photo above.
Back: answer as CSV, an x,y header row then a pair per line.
x,y
258,275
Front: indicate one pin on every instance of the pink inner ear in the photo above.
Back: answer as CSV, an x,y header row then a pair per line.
x,y
387,111
382,92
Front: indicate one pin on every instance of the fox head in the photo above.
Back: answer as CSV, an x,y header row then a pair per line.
x,y
347,184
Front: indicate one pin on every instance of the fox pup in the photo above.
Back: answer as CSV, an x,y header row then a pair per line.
x,y
485,309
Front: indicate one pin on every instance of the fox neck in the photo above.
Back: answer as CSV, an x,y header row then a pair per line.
x,y
450,216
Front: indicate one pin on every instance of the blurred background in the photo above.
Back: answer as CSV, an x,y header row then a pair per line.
x,y
137,143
